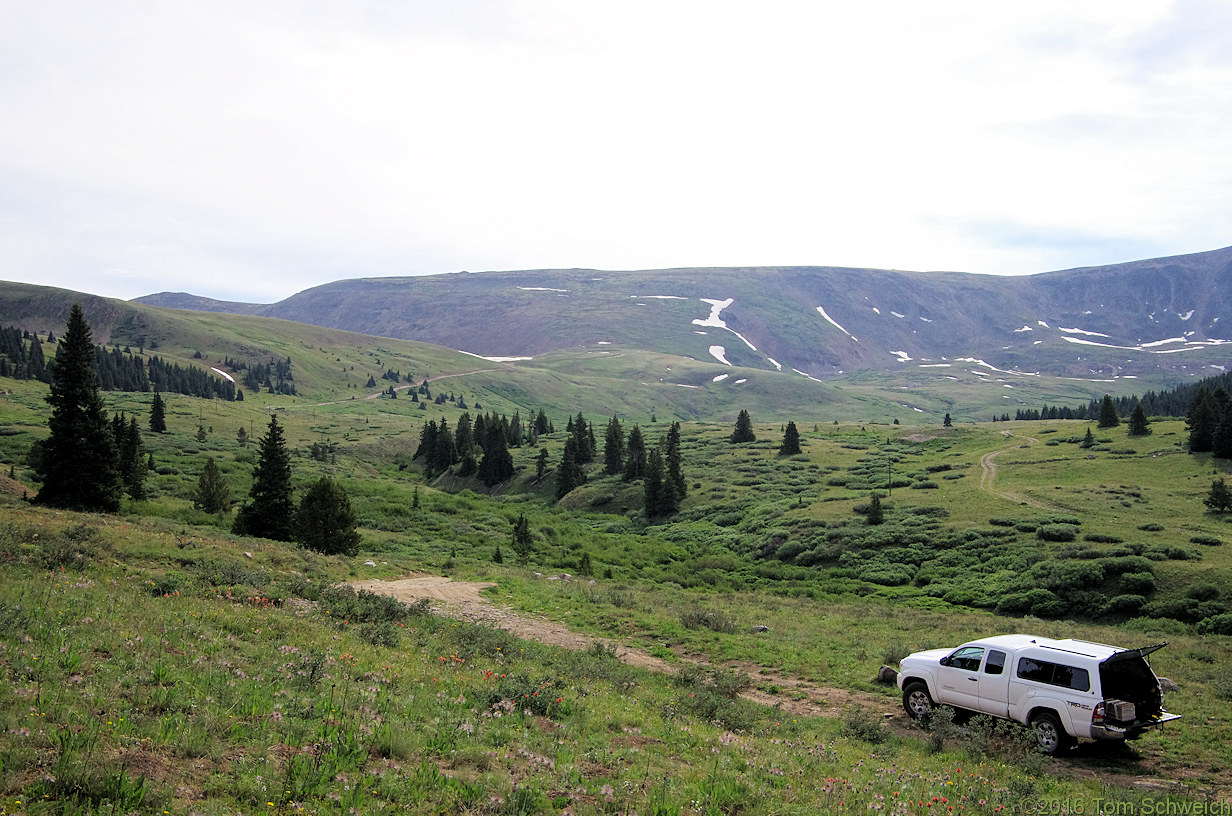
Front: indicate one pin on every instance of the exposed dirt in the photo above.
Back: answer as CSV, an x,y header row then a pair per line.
x,y
14,487
988,475
1116,763
462,600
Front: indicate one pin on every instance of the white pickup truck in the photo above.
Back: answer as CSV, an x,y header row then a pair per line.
x,y
1063,689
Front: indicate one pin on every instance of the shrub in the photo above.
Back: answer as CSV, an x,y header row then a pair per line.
x,y
1206,541
925,485
71,548
1125,605
1202,591
1151,527
1137,583
1216,625
1057,532
864,725
1100,538
705,619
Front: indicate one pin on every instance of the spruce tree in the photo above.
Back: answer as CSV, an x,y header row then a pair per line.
x,y
521,539
570,473
744,428
1138,425
613,448
79,463
1219,499
635,455
791,441
213,495
1088,441
541,463
1221,438
158,414
1202,419
660,495
947,422
1108,413
497,464
133,470
325,520
875,514
673,463
270,511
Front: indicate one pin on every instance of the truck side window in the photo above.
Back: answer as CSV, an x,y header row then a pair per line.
x,y
1073,678
967,658
995,663
1036,670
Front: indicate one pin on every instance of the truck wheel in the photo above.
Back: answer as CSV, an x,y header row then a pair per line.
x,y
1050,736
916,701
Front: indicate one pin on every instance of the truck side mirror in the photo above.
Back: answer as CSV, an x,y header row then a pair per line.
x,y
945,661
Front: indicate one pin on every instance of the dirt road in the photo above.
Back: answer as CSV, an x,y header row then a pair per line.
x,y
988,474
462,600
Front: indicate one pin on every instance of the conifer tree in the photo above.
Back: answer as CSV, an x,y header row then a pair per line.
x,y
613,448
1108,413
570,473
635,455
325,520
521,539
213,495
744,428
541,463
791,440
660,495
79,464
270,511
875,514
1202,419
674,465
1088,441
133,470
1221,438
158,414
241,436
541,423
947,422
1219,499
497,464
1138,425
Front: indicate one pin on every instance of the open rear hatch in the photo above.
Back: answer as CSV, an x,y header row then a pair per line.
x,y
1132,695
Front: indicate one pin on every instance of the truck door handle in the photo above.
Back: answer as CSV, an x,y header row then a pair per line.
x,y
974,679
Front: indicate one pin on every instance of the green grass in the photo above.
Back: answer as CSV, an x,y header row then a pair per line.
x,y
161,672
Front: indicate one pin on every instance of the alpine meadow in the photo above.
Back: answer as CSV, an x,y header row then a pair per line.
x,y
659,553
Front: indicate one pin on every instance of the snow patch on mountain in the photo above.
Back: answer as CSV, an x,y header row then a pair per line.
x,y
541,289
821,311
223,374
716,321
903,357
778,366
496,359
720,378
1023,329
719,353
899,316
1187,315
1080,331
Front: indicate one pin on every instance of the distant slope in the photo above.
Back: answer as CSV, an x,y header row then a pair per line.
x,y
1171,315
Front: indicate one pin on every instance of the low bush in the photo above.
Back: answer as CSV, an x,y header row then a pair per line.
x,y
1057,532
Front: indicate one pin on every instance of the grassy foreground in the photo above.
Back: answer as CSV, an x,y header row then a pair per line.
x,y
152,667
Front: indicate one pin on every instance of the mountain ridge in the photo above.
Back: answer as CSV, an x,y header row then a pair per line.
x,y
1123,319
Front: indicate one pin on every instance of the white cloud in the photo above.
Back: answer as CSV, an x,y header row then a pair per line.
x,y
250,150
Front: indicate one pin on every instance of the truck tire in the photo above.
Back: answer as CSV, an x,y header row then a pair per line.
x,y
1050,736
916,700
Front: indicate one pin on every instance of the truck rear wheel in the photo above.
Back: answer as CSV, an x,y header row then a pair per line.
x,y
1050,736
916,701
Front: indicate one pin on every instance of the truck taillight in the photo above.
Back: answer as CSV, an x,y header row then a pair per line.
x,y
1097,716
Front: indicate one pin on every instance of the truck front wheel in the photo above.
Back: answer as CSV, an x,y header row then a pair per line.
x,y
916,701
1050,736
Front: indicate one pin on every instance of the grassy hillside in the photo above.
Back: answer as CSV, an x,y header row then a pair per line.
x,y
153,645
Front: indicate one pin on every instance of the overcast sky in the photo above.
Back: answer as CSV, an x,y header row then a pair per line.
x,y
248,150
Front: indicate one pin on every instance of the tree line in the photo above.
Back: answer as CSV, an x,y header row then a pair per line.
x,y
22,358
